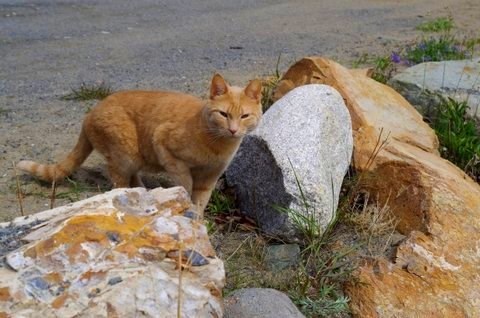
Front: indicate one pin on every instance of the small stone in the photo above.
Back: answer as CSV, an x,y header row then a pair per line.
x,y
94,292
38,283
195,258
115,280
114,237
260,302
282,256
191,257
191,215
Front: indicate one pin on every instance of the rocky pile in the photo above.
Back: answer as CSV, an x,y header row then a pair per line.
x,y
126,253
434,272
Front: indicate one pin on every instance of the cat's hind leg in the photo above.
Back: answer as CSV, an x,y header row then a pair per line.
x,y
117,141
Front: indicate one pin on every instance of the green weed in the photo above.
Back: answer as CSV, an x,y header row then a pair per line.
x,y
320,277
219,203
441,24
384,68
436,49
89,92
458,136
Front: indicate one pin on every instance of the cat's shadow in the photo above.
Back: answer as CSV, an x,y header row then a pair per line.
x,y
95,179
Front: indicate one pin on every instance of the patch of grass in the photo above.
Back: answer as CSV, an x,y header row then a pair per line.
x,y
71,190
435,49
441,24
4,111
89,92
443,46
319,280
384,68
458,135
74,192
373,223
219,203
269,86
362,60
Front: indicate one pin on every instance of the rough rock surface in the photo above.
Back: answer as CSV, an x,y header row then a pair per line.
x,y
128,255
459,80
260,302
434,272
296,159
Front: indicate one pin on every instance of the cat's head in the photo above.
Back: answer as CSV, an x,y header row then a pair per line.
x,y
233,112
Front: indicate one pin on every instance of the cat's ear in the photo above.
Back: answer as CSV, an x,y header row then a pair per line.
x,y
254,90
218,87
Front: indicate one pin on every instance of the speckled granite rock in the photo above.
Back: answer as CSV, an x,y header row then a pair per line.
x,y
261,303
123,257
304,139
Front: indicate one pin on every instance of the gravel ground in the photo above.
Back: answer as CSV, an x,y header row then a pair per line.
x,y
49,47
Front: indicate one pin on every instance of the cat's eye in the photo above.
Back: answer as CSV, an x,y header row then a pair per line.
x,y
245,116
224,114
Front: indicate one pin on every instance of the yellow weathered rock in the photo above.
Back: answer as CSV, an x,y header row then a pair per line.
x,y
435,272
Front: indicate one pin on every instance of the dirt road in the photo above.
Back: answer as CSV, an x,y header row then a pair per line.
x,y
48,47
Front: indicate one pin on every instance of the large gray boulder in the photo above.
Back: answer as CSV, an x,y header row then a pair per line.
x,y
459,80
260,303
296,159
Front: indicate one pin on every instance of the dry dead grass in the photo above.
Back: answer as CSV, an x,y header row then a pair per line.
x,y
374,223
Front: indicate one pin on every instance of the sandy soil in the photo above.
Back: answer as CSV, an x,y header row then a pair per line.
x,y
48,47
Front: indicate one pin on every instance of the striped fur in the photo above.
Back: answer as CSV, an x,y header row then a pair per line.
x,y
58,171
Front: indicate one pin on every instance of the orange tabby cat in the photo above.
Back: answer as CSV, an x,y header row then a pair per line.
x,y
191,139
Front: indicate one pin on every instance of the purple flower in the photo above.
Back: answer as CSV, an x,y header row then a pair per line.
x,y
395,57
422,46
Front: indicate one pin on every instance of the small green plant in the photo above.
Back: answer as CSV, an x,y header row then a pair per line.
x,y
219,203
458,135
322,306
441,24
384,68
89,92
73,193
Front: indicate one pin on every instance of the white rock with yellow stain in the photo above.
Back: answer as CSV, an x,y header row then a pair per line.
x,y
128,253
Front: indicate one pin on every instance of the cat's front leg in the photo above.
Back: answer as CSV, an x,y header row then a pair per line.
x,y
203,185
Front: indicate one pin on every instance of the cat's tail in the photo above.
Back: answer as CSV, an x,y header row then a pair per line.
x,y
64,168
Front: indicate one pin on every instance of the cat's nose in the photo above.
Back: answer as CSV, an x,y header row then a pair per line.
x,y
233,130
